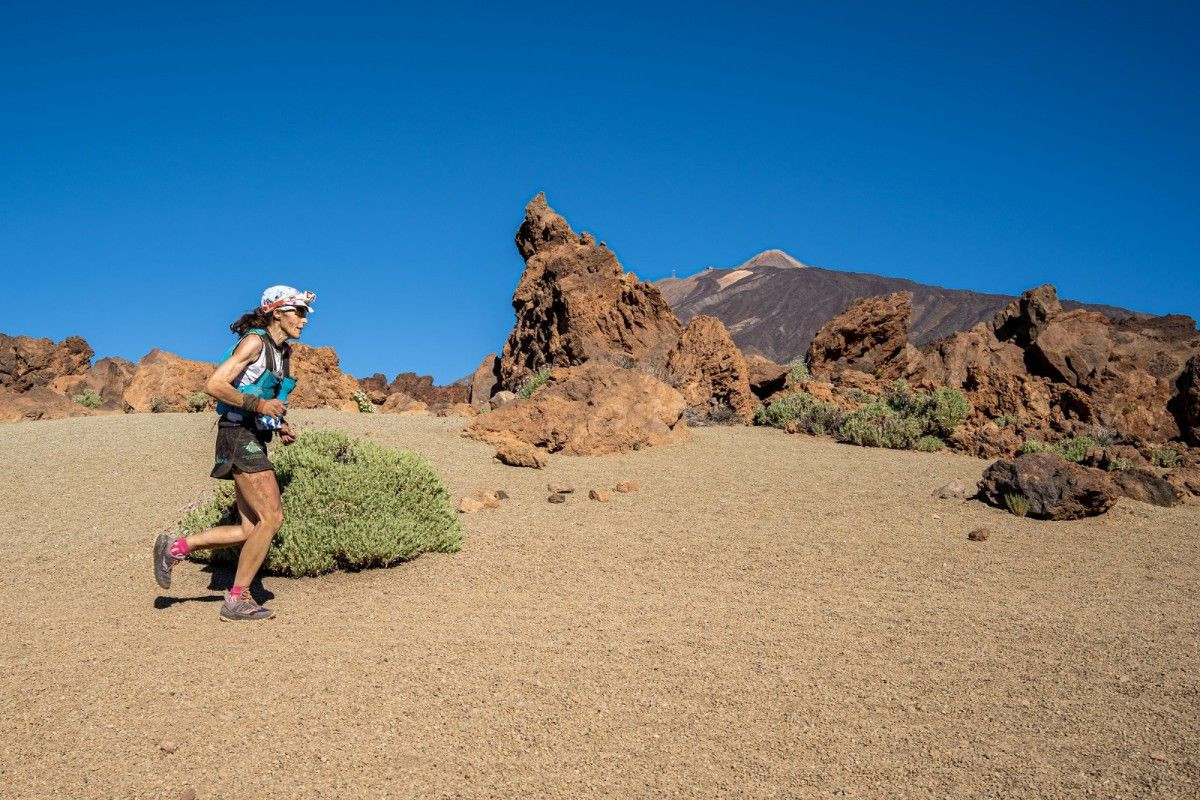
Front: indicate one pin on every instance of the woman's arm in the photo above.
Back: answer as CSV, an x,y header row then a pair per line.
x,y
220,385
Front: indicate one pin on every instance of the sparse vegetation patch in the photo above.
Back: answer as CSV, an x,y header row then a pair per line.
x,y
88,398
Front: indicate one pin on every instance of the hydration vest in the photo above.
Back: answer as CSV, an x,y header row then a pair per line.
x,y
275,383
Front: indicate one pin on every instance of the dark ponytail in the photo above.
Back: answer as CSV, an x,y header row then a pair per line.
x,y
256,318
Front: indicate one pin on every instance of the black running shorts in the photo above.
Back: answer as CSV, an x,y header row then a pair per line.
x,y
241,447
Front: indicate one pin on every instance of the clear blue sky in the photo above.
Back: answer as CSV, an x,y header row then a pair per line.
x,y
161,163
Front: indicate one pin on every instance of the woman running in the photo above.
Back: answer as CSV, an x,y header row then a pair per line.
x,y
246,386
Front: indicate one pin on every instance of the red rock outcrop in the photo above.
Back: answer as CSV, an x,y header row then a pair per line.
x,y
591,409
165,382
765,376
320,382
706,367
375,387
1188,401
26,362
400,403
485,381
108,377
870,336
575,303
420,387
39,402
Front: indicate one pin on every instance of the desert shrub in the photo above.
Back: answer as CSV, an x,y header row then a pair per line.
x,y
798,372
1164,457
1074,449
1004,420
945,410
534,383
809,414
158,405
857,395
347,504
1117,464
929,444
722,414
88,398
877,424
1034,446
365,406
1017,503
198,401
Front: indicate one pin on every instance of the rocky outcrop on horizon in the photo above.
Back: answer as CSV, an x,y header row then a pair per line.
x,y
574,303
26,362
706,367
871,336
773,305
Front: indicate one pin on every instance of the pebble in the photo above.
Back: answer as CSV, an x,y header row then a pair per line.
x,y
1158,755
168,747
979,535
557,498
188,794
560,488
627,486
600,495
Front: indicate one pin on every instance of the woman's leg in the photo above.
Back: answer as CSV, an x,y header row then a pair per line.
x,y
259,491
227,535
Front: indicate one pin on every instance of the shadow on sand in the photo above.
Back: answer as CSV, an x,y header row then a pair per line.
x,y
220,579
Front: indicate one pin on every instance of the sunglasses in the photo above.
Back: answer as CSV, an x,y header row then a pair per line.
x,y
299,311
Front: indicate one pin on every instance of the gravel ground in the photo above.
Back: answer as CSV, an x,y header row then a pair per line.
x,y
769,616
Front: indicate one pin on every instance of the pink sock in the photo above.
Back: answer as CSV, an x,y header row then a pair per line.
x,y
236,592
180,548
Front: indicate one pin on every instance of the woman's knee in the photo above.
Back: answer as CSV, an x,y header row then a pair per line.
x,y
272,520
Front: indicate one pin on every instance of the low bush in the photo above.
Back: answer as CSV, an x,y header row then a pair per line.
x,y
1017,503
347,504
198,401
365,406
88,398
877,424
1075,449
809,414
929,444
1034,446
1164,457
798,372
1117,464
534,383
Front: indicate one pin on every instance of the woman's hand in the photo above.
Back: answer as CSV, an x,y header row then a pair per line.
x,y
286,435
272,408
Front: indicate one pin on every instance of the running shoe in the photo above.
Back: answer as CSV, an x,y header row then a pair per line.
x,y
164,562
244,608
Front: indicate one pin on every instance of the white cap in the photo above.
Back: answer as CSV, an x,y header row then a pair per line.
x,y
282,296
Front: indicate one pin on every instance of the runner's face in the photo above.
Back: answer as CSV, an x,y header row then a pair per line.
x,y
293,320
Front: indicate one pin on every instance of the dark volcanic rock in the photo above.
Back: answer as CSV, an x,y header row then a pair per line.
x,y
1056,489
1147,486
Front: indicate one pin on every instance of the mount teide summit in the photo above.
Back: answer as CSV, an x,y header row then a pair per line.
x,y
774,304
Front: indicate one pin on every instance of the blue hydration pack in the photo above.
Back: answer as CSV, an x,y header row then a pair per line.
x,y
271,385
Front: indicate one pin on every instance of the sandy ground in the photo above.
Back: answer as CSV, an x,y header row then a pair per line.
x,y
770,616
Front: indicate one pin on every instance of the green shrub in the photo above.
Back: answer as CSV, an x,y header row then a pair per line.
x,y
929,444
1004,420
1017,504
347,504
877,424
945,410
88,398
1034,446
809,414
1164,457
365,406
198,401
1074,449
1117,464
536,382
798,372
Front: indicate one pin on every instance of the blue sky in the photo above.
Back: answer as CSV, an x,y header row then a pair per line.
x,y
161,163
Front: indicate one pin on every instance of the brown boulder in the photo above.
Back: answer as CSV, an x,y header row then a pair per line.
x,y
375,388
591,409
516,453
320,382
765,376
1055,489
26,362
1024,318
575,303
484,381
708,370
404,405
39,402
420,387
1188,403
871,336
1147,486
165,382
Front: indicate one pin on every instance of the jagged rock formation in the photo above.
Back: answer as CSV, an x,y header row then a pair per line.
x,y
165,382
575,303
420,387
485,381
709,371
320,382
591,409
26,362
108,377
871,336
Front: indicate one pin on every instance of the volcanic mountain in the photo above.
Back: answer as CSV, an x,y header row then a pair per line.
x,y
773,304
